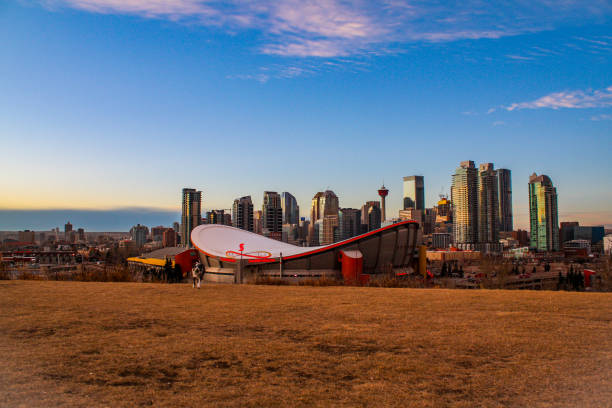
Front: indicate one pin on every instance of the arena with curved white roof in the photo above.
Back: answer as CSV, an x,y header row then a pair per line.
x,y
234,255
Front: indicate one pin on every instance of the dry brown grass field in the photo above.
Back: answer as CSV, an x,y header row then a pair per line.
x,y
123,344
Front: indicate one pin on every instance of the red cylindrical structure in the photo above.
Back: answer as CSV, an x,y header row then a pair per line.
x,y
587,277
352,267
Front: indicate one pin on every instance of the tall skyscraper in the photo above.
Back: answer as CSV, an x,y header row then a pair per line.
x,y
328,229
383,192
464,196
414,192
191,215
272,215
488,204
374,217
504,189
291,210
369,223
328,204
242,213
258,222
349,220
543,213
314,207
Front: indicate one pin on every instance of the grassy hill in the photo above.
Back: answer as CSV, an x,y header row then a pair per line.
x,y
123,344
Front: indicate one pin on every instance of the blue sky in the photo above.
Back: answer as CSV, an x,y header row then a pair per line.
x,y
108,104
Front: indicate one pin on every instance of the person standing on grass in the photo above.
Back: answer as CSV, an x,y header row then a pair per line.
x,y
196,274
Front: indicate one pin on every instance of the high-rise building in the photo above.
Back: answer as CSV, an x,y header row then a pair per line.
x,y
349,220
157,233
328,204
258,222
543,214
444,211
81,234
328,229
215,217
383,192
488,204
242,213
272,213
67,230
291,210
315,207
566,232
464,196
169,238
323,204
414,192
367,216
139,234
504,191
192,214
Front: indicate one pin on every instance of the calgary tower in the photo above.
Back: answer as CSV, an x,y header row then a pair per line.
x,y
382,192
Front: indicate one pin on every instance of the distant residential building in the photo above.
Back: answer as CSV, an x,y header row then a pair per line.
x,y
227,219
566,232
429,220
242,213
291,210
157,233
81,234
607,244
411,214
303,230
543,214
67,230
291,234
504,190
349,223
26,236
272,213
414,192
593,234
169,237
464,196
215,217
488,204
191,214
521,236
440,240
258,222
139,234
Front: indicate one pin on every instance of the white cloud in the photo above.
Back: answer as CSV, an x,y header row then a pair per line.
x,y
569,100
600,117
333,28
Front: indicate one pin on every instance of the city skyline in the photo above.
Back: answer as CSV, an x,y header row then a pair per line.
x,y
131,98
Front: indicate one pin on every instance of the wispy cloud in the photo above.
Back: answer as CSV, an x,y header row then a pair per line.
x,y
336,28
600,117
577,99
